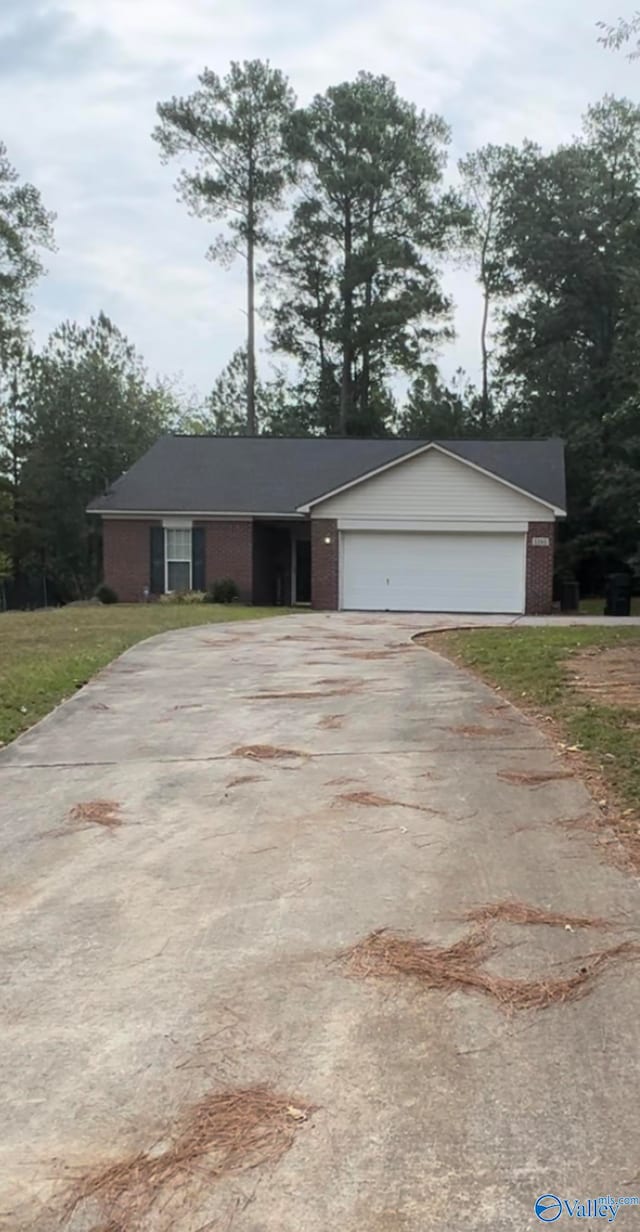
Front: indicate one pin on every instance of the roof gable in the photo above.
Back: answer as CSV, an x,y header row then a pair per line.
x,y
436,447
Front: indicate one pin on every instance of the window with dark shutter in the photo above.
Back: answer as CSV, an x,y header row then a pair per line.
x,y
198,558
156,570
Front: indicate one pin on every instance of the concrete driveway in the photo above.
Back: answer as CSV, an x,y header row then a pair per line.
x,y
193,948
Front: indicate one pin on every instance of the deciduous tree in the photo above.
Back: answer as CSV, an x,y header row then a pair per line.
x,y
25,229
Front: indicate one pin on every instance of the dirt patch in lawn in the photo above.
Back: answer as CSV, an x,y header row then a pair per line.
x,y
609,676
226,1132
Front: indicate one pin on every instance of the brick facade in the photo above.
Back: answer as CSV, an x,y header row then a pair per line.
x,y
229,554
127,555
325,567
539,588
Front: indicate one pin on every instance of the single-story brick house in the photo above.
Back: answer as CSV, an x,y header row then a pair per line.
x,y
398,525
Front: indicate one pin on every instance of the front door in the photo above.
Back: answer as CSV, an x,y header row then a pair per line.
x,y
302,588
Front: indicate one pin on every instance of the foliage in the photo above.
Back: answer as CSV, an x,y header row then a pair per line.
x,y
434,412
87,413
233,130
624,32
354,288
569,236
46,656
225,590
25,229
281,406
105,593
184,596
15,526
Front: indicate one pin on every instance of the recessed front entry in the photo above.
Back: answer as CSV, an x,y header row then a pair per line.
x,y
433,571
302,571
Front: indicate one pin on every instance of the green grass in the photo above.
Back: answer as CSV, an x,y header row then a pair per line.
x,y
533,667
45,656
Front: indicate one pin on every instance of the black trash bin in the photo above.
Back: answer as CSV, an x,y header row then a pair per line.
x,y
569,596
618,595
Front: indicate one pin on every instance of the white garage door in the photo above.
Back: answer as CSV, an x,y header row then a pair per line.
x,y
425,572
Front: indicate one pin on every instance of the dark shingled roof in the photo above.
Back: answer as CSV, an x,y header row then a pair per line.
x,y
275,475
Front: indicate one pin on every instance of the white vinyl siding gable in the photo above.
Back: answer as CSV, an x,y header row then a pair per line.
x,y
433,488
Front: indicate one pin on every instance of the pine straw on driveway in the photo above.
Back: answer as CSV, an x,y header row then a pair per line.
x,y
525,778
97,813
459,967
476,730
266,752
369,799
512,911
226,1132
304,694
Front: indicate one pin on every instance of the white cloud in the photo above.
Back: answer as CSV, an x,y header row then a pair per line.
x,y
78,95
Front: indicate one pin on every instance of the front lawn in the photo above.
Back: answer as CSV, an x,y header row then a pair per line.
x,y
533,668
45,656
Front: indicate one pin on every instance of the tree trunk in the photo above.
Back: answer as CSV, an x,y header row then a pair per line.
x,y
251,332
484,401
484,279
346,385
366,344
16,563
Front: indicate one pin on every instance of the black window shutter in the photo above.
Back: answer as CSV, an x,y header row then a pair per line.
x,y
197,558
156,571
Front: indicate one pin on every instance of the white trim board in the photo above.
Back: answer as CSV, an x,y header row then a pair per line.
x,y
159,514
469,527
177,523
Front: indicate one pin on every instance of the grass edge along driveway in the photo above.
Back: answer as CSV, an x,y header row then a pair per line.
x,y
533,669
45,656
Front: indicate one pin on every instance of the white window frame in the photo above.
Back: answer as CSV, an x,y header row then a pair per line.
x,y
185,525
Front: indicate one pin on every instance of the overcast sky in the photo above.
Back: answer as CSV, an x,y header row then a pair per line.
x,y
79,80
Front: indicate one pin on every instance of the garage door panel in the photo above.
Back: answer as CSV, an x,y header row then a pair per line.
x,y
400,571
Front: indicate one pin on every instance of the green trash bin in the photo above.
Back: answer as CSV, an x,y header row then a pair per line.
x,y
618,595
